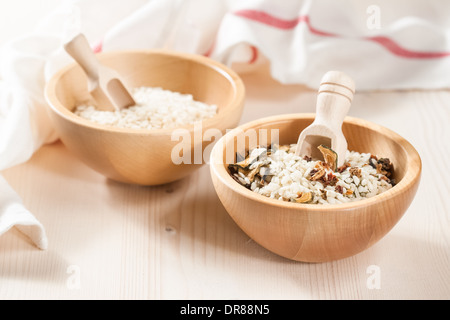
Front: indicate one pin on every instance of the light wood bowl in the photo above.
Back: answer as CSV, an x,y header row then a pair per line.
x,y
318,233
144,156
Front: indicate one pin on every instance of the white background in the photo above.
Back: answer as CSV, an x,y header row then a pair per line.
x,y
19,17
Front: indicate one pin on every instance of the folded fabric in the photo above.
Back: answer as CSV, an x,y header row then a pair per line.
x,y
388,45
24,127
13,213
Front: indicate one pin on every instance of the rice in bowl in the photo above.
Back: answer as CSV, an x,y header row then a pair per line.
x,y
278,173
155,108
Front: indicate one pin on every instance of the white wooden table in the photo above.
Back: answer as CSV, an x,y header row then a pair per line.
x,y
114,241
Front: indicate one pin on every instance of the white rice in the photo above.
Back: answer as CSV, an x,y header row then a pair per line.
x,y
155,108
290,176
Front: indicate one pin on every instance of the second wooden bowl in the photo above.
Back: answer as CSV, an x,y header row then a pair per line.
x,y
145,156
308,232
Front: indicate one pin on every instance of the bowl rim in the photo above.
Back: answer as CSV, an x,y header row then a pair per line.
x,y
412,173
234,79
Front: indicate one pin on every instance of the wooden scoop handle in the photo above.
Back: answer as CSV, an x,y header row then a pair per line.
x,y
334,98
81,51
333,102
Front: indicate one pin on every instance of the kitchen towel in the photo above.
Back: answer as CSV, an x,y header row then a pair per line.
x,y
14,213
380,44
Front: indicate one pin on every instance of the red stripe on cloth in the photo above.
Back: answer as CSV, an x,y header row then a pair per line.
x,y
387,43
254,55
263,17
210,50
98,47
396,49
317,32
279,23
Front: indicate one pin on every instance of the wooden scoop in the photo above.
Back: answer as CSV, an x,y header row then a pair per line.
x,y
104,84
333,102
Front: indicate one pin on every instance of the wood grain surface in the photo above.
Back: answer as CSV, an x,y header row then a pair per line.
x,y
109,240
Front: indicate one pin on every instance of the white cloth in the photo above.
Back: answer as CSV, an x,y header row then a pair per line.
x,y
13,213
390,45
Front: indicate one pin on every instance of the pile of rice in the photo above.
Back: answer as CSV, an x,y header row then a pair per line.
x,y
155,108
290,177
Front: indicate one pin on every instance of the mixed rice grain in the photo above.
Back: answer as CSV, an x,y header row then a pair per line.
x,y
278,173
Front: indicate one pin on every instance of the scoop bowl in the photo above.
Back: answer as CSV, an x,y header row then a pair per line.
x,y
143,156
309,232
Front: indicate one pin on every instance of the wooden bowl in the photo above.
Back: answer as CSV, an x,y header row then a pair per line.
x,y
144,156
309,232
